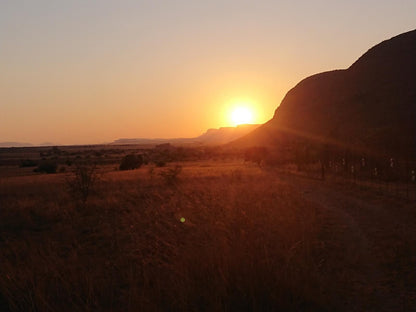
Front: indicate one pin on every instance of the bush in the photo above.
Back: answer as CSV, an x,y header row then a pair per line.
x,y
47,166
82,182
131,161
160,163
27,163
256,154
170,176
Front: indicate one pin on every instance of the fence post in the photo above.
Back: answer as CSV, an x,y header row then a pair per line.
x,y
353,173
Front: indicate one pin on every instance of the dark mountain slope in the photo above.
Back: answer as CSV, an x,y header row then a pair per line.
x,y
370,106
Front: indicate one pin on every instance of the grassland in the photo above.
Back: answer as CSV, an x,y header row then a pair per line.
x,y
218,236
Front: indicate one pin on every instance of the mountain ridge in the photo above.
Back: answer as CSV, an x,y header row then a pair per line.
x,y
213,136
371,105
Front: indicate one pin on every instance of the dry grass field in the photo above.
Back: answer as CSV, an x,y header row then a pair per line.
x,y
210,236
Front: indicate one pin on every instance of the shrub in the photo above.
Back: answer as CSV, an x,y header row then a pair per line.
x,y
256,154
131,161
151,171
82,181
170,176
160,163
47,166
27,163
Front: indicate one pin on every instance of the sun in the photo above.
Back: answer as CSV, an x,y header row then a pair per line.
x,y
241,115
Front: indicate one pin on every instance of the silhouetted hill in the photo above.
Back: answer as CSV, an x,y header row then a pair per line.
x,y
370,106
211,137
225,135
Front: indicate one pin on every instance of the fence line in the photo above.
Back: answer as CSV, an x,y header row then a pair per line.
x,y
387,176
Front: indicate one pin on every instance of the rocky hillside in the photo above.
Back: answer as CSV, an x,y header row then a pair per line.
x,y
370,106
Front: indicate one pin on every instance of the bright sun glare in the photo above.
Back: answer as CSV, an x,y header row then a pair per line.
x,y
241,115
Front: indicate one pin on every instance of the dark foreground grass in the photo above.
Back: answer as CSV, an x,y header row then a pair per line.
x,y
230,240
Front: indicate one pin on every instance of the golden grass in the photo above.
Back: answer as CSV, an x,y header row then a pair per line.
x,y
248,243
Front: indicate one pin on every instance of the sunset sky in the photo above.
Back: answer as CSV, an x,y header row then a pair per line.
x,y
80,72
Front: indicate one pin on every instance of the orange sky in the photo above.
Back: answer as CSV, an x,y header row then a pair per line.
x,y
76,72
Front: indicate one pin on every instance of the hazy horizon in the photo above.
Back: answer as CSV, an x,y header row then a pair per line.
x,y
85,73
152,140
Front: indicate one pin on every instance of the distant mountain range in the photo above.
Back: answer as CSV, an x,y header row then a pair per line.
x,y
219,136
22,144
14,144
369,106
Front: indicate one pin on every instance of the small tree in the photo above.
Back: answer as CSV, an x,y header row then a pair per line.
x,y
131,161
82,181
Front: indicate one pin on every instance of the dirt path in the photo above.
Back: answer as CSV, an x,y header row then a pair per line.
x,y
369,243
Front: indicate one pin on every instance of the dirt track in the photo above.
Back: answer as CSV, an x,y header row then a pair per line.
x,y
370,240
